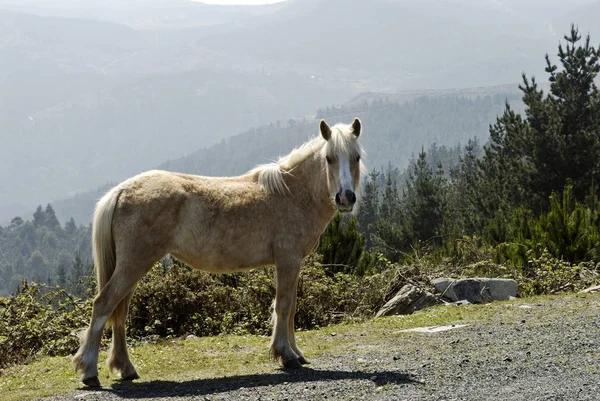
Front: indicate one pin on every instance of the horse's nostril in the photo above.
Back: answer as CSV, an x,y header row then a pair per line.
x,y
337,198
351,196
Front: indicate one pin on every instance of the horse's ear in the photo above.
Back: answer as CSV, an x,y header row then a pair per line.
x,y
356,126
325,130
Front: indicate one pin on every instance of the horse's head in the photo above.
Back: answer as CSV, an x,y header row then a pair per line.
x,y
342,154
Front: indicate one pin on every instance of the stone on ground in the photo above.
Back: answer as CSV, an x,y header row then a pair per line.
x,y
408,300
476,290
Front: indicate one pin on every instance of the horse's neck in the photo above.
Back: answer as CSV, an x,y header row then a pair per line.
x,y
309,179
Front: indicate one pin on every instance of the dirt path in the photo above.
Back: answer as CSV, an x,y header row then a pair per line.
x,y
549,350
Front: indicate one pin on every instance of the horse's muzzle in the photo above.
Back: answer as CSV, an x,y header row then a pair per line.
x,y
345,200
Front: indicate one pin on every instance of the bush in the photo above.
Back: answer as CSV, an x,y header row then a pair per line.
x,y
548,275
178,300
40,320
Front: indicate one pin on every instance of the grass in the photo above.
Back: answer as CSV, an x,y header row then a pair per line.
x,y
185,359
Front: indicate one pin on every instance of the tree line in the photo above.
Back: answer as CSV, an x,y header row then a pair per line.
x,y
532,190
43,251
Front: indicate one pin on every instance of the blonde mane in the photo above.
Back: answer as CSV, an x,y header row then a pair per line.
x,y
270,176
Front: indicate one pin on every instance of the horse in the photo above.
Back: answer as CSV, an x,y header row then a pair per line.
x,y
273,214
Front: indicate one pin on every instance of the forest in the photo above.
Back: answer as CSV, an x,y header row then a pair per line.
x,y
530,193
43,251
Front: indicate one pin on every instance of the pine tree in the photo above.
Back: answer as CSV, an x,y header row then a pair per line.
x,y
77,276
465,191
528,159
70,226
425,202
390,199
50,219
38,217
61,275
390,233
341,245
368,205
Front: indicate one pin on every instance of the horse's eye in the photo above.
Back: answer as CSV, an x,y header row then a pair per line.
x,y
329,161
358,158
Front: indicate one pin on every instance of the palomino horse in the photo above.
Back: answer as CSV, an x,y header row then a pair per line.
x,y
274,214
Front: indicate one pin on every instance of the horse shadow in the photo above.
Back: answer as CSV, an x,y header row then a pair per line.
x,y
199,387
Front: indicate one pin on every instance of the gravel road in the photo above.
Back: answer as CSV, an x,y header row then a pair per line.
x,y
546,350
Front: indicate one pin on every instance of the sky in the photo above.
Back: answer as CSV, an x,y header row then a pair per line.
x,y
232,2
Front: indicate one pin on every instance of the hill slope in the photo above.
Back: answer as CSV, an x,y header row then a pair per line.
x,y
396,127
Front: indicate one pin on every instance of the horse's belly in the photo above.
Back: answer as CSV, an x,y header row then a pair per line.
x,y
220,258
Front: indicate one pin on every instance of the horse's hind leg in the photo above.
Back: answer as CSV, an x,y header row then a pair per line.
x,y
120,284
286,272
118,357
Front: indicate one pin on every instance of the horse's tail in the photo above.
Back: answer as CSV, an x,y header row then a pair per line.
x,y
103,245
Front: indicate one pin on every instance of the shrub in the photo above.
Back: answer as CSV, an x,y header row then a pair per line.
x,y
176,300
548,275
40,320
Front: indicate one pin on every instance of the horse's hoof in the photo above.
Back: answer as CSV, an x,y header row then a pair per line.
x,y
92,381
133,376
303,361
292,364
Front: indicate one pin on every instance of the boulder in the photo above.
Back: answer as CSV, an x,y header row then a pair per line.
x,y
408,300
476,290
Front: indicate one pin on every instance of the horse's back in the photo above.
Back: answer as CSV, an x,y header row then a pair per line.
x,y
211,223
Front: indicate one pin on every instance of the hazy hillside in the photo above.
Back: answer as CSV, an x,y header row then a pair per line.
x,y
78,96
395,130
93,92
416,44
143,14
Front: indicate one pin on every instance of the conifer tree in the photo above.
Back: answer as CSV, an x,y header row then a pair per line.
x,y
38,217
70,226
529,158
77,275
425,202
341,245
50,219
368,205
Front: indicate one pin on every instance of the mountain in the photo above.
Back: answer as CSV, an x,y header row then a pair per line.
x,y
79,95
396,125
93,92
142,14
416,44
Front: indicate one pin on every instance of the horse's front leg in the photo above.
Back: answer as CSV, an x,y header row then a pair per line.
x,y
292,334
286,274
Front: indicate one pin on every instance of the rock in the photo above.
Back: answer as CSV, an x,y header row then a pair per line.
x,y
408,300
595,288
476,290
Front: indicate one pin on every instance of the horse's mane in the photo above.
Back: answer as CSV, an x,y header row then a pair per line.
x,y
270,176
